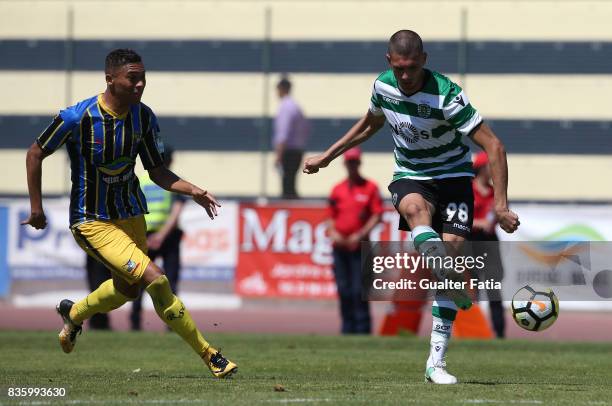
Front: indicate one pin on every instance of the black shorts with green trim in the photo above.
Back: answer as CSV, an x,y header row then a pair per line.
x,y
452,199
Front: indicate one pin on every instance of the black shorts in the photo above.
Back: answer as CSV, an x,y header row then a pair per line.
x,y
452,199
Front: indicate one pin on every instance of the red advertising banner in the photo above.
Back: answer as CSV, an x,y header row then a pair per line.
x,y
284,251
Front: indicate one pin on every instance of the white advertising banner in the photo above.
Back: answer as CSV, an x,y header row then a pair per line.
x,y
208,250
574,271
561,222
42,254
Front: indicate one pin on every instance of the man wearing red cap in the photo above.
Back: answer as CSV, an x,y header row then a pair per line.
x,y
355,207
483,229
430,118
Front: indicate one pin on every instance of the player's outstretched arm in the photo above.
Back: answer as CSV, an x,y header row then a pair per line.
x,y
367,126
485,138
170,181
34,158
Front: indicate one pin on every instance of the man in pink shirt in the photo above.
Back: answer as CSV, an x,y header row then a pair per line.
x,y
291,130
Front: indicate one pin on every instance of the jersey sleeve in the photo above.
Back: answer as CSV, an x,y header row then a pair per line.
x,y
151,147
458,111
58,132
375,106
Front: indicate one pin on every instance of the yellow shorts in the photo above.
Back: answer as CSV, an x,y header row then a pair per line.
x,y
120,244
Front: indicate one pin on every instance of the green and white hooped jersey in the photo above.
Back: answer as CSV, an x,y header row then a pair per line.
x,y
427,127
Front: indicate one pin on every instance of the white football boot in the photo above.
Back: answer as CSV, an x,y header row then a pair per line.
x,y
436,373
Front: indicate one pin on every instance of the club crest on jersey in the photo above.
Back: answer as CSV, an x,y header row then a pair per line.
x,y
423,110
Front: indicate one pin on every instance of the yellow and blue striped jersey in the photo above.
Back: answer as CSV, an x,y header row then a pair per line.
x,y
102,147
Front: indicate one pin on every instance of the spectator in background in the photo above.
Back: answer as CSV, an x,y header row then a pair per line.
x,y
355,207
163,233
97,274
484,230
291,131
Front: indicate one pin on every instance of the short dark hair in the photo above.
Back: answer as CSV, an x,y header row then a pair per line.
x,y
405,43
120,57
284,84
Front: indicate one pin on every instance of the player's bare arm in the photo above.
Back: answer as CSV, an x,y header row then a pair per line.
x,y
367,126
170,181
484,137
34,158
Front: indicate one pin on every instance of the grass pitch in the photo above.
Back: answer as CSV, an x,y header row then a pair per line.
x,y
158,368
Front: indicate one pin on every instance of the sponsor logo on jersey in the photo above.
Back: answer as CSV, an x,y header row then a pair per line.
x,y
117,166
459,100
423,110
390,100
123,178
461,227
409,132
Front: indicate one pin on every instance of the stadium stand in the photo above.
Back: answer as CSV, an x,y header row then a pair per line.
x,y
212,68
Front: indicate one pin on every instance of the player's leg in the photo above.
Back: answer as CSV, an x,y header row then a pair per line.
x,y
111,246
454,208
443,311
456,214
96,275
172,311
416,202
418,211
101,240
136,313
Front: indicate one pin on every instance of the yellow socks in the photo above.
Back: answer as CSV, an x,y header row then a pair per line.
x,y
102,300
172,311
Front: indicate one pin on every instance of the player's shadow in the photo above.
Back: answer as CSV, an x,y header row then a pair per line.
x,y
493,383
484,383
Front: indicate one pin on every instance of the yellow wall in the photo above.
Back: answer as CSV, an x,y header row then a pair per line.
x,y
571,97
322,95
308,19
541,177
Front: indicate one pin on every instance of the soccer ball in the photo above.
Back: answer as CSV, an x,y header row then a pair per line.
x,y
535,310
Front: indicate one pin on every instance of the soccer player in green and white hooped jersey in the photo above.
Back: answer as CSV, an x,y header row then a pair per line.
x,y
429,116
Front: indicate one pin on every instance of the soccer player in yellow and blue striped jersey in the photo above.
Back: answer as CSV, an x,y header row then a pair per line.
x,y
104,135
